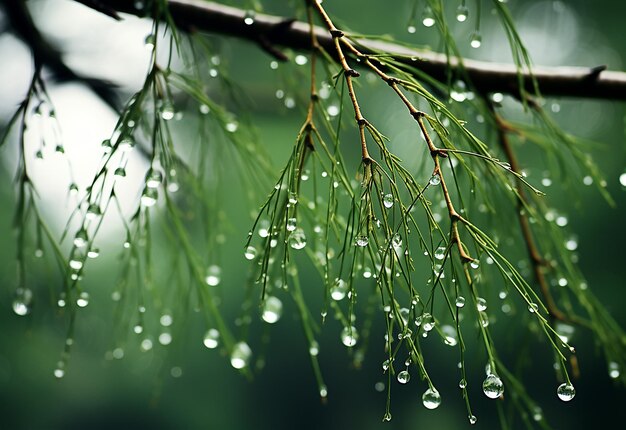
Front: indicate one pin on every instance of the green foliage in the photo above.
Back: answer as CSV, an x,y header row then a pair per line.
x,y
422,246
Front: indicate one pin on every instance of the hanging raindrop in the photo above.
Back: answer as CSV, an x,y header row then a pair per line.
x,y
291,224
476,40
388,201
22,302
462,13
362,241
149,197
460,302
93,212
481,304
240,356
211,338
349,336
338,290
493,387
435,179
566,392
428,17
404,376
431,399
83,299
81,239
272,310
250,252
297,239
154,178
213,274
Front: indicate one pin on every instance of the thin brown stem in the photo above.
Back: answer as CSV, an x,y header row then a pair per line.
x,y
537,261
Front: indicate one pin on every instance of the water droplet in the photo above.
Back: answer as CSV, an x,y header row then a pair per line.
x,y
474,264
149,42
240,356
167,110
362,241
314,348
462,383
248,18
297,239
154,178
301,60
272,310
428,18
484,318
211,338
349,336
396,241
460,302
146,345
93,212
622,179
537,414
404,376
166,320
533,307
165,338
213,275
323,391
250,253
481,304
264,228
149,197
411,29
476,40
388,201
472,419
232,127
426,321
493,386
566,392
83,299
22,302
138,329
293,198
39,154
120,172
291,224
339,289
81,239
614,371
461,13
431,398
126,144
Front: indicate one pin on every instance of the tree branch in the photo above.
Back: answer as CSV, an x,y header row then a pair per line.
x,y
270,31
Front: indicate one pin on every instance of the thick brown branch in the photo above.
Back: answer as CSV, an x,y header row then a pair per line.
x,y
594,82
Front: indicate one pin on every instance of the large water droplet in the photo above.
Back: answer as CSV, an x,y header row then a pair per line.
x,y
297,239
314,348
566,392
248,18
211,338
431,398
440,253
272,310
493,386
388,201
93,212
435,180
240,356
149,197
339,289
291,224
460,302
120,172
472,419
404,376
154,178
213,275
250,253
476,40
481,304
461,13
362,241
126,144
83,299
167,110
22,302
349,336
428,18
614,370
81,239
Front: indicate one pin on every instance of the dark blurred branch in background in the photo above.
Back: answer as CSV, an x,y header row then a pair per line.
x,y
44,54
273,31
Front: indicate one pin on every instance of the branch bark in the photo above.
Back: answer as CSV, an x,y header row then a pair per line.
x,y
272,31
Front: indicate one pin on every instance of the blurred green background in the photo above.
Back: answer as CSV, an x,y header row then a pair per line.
x,y
185,385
